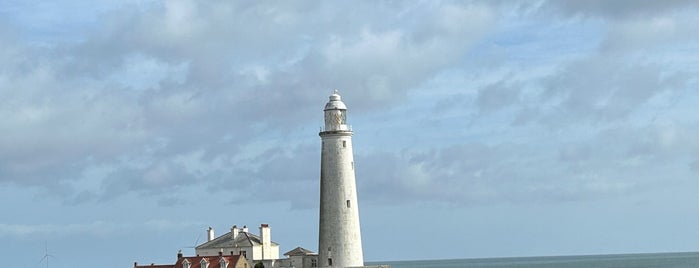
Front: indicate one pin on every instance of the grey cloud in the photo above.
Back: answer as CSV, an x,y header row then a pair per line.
x,y
217,76
282,173
158,178
497,96
694,165
236,57
588,167
607,88
52,129
602,87
621,8
639,60
96,228
461,174
659,34
165,80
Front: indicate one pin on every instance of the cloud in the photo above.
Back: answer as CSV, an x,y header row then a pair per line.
x,y
620,9
605,88
97,228
497,96
595,123
152,88
614,161
182,94
460,174
632,62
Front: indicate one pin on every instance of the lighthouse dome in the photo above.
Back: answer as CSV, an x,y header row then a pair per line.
x,y
335,102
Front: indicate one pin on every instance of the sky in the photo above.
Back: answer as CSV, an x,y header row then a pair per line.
x,y
481,128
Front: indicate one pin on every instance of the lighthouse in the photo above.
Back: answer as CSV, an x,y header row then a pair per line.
x,y
339,237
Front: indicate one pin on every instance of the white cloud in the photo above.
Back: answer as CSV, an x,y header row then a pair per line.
x,y
620,9
97,228
172,95
152,110
153,83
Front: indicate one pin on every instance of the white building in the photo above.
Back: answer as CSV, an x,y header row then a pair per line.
x,y
256,248
298,258
339,236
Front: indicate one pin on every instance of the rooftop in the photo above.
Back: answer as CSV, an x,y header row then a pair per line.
x,y
243,239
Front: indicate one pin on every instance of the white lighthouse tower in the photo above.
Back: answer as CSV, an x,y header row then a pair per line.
x,y
340,240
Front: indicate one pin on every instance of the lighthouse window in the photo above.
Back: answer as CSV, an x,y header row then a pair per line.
x,y
341,117
348,203
344,144
330,261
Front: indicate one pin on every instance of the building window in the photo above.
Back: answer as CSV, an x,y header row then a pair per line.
x,y
244,253
330,261
185,264
348,203
344,144
204,263
352,165
314,263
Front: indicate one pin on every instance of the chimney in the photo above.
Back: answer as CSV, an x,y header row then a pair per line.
x,y
266,237
245,228
179,254
234,232
210,234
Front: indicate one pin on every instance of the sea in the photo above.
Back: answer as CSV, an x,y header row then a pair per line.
x,y
644,260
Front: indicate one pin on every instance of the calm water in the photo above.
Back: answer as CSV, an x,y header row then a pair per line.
x,y
675,260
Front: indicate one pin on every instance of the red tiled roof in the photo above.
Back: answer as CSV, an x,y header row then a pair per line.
x,y
195,262
214,261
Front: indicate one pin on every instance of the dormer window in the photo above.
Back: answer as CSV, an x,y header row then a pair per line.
x,y
223,262
185,263
204,263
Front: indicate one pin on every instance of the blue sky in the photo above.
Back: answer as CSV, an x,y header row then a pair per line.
x,y
482,129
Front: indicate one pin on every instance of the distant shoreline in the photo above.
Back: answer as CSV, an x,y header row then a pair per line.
x,y
600,257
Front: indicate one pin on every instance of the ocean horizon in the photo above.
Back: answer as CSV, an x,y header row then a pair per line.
x,y
635,260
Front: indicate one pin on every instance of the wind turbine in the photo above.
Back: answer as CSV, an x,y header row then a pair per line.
x,y
47,256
